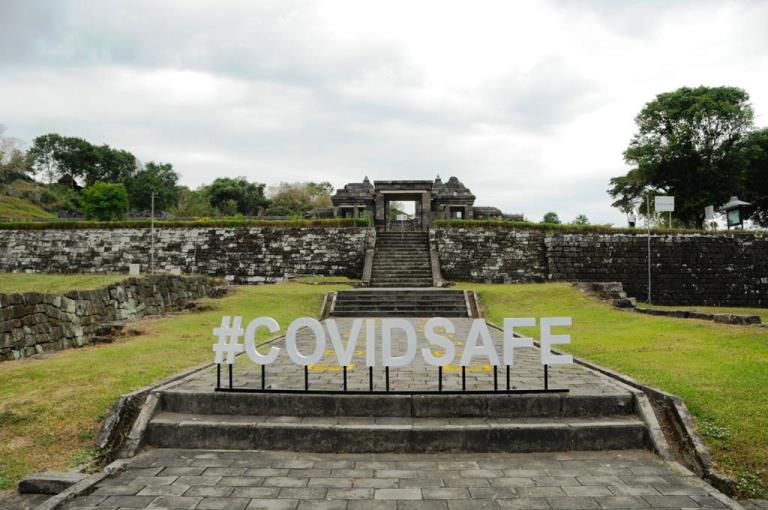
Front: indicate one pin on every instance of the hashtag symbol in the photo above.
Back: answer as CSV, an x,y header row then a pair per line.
x,y
228,334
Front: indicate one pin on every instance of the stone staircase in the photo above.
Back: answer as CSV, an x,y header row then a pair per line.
x,y
401,303
401,259
393,423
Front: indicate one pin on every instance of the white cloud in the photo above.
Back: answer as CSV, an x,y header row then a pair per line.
x,y
529,103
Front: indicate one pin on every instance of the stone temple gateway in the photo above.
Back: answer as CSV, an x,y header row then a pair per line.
x,y
434,200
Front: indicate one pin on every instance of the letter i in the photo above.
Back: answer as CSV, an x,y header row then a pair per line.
x,y
370,342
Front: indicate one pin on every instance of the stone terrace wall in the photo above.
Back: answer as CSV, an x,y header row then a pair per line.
x,y
687,269
244,255
32,322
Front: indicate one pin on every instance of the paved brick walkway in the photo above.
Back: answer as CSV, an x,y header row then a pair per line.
x,y
527,371
202,479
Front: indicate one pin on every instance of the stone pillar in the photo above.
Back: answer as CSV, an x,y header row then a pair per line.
x,y
380,216
426,211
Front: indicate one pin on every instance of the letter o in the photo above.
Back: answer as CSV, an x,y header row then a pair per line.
x,y
292,348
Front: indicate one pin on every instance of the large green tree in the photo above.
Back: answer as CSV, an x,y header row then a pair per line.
x,y
105,201
756,177
688,144
112,165
248,197
159,177
44,155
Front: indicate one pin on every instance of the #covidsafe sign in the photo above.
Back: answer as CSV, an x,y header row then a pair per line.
x,y
379,343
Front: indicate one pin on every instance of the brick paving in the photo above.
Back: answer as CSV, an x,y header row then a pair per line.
x,y
527,372
200,479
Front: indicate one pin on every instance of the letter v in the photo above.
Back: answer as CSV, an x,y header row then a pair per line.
x,y
344,354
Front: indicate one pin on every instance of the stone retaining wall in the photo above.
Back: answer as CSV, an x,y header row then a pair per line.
x,y
33,322
243,255
687,269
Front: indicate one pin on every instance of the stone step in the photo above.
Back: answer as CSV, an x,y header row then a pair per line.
x,y
367,434
400,283
376,300
400,313
498,405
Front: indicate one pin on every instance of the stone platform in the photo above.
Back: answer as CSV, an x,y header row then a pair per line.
x,y
199,479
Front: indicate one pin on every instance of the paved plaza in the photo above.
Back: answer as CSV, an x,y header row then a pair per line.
x,y
526,373
200,479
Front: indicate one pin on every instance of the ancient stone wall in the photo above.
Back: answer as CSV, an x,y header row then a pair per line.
x,y
704,269
244,255
33,322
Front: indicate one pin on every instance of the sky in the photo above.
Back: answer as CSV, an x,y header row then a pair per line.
x,y
530,104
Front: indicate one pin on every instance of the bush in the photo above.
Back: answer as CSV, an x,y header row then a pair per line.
x,y
201,223
105,202
582,229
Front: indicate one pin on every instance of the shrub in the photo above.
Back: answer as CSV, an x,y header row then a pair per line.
x,y
105,202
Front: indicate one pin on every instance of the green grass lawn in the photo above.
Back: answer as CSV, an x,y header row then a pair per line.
x,y
721,371
54,283
51,408
19,209
762,312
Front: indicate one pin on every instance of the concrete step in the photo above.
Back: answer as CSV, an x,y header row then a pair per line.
x,y
367,434
498,405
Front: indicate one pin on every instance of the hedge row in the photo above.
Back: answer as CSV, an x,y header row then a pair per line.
x,y
581,229
203,223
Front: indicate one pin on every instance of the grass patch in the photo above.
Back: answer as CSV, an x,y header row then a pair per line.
x,y
54,283
720,370
762,312
15,208
53,407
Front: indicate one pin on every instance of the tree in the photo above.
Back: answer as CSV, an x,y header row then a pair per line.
x,y
112,165
551,217
248,196
14,163
76,157
105,201
301,197
756,178
43,155
193,202
687,145
581,219
159,177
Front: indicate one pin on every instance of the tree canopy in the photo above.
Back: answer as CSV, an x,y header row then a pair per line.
x,y
105,201
551,217
300,197
159,177
245,197
689,144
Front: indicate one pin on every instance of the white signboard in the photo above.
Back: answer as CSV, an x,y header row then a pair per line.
x,y
665,203
709,212
378,344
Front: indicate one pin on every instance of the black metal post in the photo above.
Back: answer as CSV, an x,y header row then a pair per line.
x,y
230,376
370,378
507,377
386,370
495,378
263,376
463,378
546,377
345,377
440,378
306,378
218,375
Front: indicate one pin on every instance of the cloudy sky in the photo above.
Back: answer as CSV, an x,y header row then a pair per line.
x,y
530,104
